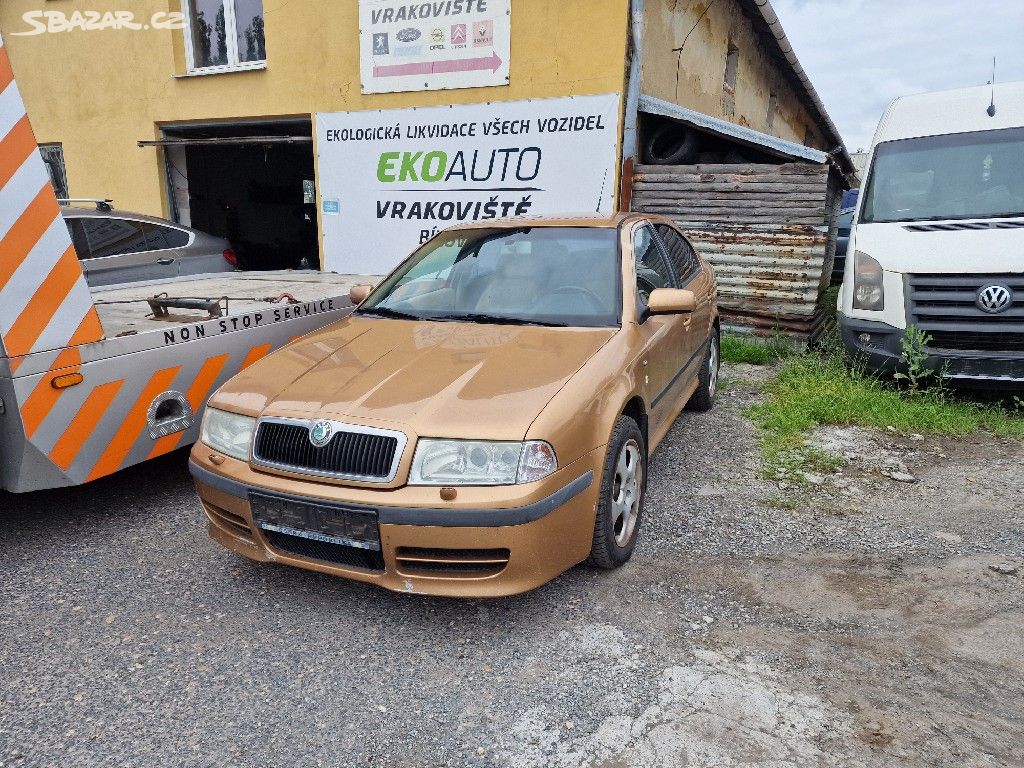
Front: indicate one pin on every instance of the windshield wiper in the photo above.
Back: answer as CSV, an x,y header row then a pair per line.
x,y
479,317
390,313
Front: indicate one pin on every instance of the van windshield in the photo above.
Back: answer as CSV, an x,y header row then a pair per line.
x,y
978,175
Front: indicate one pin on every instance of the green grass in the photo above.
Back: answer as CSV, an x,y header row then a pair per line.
x,y
820,388
744,349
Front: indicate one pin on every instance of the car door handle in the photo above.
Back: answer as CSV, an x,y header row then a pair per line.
x,y
165,262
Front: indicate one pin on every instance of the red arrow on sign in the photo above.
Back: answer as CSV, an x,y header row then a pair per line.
x,y
491,62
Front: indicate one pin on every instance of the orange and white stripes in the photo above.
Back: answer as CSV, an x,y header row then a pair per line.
x,y
45,303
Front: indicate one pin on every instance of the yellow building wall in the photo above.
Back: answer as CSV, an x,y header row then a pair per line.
x,y
699,84
99,92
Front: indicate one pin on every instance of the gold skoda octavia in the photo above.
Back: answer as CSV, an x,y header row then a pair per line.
x,y
481,422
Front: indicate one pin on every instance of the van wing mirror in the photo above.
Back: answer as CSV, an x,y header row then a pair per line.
x,y
671,301
357,293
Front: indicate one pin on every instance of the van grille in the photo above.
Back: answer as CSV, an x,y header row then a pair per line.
x,y
355,453
945,307
961,226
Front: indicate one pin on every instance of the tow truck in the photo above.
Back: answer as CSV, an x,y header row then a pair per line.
x,y
94,381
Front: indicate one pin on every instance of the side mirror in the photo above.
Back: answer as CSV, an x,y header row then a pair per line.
x,y
357,293
671,301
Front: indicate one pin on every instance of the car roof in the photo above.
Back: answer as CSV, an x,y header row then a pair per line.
x,y
596,221
76,212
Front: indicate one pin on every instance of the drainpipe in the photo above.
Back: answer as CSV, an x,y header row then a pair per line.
x,y
630,142
636,55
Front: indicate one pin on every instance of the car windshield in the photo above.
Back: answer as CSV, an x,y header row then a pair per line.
x,y
559,276
977,175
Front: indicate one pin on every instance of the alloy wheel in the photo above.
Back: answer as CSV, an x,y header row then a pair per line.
x,y
626,492
713,373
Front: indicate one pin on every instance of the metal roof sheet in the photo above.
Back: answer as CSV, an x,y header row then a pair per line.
x,y
773,144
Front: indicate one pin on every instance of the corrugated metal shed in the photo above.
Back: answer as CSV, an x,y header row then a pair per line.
x,y
768,229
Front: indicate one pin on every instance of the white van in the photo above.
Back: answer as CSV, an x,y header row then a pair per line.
x,y
938,237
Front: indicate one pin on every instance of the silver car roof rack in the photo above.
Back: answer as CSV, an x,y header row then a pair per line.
x,y
102,204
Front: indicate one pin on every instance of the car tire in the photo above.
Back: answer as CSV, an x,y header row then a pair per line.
x,y
672,145
623,487
707,387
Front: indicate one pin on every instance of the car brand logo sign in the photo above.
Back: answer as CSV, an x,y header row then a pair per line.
x,y
320,434
994,298
408,34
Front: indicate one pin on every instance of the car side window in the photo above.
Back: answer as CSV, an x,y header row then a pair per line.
x,y
680,253
652,271
113,237
78,238
159,237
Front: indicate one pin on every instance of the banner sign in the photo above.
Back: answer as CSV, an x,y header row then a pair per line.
x,y
393,179
409,45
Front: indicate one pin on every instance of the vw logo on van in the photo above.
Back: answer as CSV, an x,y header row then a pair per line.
x,y
320,434
994,298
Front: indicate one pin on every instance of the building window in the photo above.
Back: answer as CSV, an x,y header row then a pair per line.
x,y
223,35
773,105
53,157
808,137
732,65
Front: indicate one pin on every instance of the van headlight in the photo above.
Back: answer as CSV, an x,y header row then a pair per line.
x,y
481,462
229,433
868,292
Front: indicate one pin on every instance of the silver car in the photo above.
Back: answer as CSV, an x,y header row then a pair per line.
x,y
122,247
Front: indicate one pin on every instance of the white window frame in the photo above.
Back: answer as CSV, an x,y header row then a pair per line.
x,y
230,24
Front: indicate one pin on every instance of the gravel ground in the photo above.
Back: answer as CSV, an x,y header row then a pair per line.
x,y
874,623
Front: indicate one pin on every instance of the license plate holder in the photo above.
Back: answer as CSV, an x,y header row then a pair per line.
x,y
331,523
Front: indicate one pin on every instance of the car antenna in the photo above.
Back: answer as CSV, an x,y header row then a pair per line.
x,y
992,105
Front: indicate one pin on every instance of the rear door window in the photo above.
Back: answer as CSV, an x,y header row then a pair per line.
x,y
113,237
680,253
78,238
159,237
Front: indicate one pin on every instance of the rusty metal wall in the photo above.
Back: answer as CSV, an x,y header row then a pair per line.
x,y
769,230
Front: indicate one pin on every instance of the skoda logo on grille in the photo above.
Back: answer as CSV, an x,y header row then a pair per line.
x,y
320,434
995,298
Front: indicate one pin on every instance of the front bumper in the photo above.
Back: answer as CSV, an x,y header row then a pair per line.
x,y
490,542
877,346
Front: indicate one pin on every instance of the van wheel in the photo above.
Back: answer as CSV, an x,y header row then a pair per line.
x,y
620,507
704,398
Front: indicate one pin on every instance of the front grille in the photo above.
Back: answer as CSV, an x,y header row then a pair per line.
x,y
231,522
453,563
982,368
977,342
326,552
945,307
353,452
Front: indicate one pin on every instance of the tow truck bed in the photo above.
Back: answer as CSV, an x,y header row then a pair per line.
x,y
124,310
83,412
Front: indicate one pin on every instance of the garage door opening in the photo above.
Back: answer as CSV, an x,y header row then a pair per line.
x,y
252,183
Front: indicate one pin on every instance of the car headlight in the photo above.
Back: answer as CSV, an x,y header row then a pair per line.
x,y
229,433
481,462
867,283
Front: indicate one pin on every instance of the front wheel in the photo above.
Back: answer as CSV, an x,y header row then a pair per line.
x,y
619,509
707,387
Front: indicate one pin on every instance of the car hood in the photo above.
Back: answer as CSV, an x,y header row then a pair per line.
x,y
433,378
941,251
